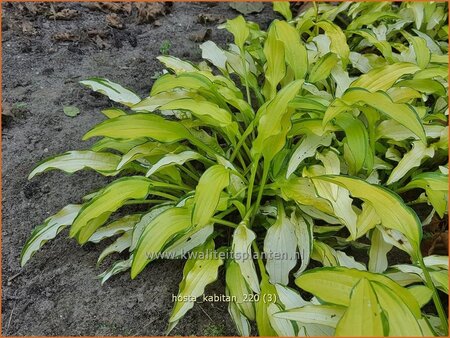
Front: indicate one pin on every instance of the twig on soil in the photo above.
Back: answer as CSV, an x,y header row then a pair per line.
x,y
10,279
10,317
207,315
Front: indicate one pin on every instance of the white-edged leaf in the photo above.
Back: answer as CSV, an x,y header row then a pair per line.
x,y
197,274
242,242
305,149
72,161
378,252
174,159
114,91
120,244
48,230
280,246
240,290
328,315
283,327
114,228
410,160
116,268
303,227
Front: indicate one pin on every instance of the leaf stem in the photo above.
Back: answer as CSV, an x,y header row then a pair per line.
x,y
223,222
242,139
189,173
265,174
261,266
133,202
252,182
172,186
163,194
436,300
247,89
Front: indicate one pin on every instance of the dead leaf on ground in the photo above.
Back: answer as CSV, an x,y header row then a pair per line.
x,y
200,36
124,8
247,7
205,18
103,33
102,44
32,8
66,37
436,245
147,12
437,242
27,28
65,14
6,110
113,20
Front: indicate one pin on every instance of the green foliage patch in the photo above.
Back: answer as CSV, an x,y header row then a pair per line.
x,y
301,143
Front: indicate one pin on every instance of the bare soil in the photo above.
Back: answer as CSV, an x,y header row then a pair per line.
x,y
47,49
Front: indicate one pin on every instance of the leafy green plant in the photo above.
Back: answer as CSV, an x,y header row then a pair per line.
x,y
165,47
303,143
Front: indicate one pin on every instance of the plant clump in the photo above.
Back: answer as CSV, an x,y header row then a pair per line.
x,y
295,160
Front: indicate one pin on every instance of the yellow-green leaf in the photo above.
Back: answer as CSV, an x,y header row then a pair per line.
x,y
266,296
426,86
400,112
338,40
207,193
284,8
274,123
207,111
323,67
294,50
363,316
402,321
140,125
238,27
335,284
275,64
156,233
398,216
423,54
383,78
96,211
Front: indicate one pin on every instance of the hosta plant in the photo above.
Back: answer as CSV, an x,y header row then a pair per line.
x,y
295,160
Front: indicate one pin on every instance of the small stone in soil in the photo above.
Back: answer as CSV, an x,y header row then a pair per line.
x,y
132,40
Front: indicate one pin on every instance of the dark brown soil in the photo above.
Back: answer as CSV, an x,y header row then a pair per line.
x,y
57,293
